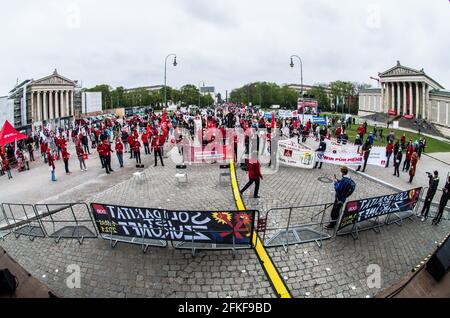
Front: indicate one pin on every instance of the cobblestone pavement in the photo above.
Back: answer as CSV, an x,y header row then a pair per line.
x,y
336,270
339,268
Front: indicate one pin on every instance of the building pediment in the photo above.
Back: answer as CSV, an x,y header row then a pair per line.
x,y
401,71
54,79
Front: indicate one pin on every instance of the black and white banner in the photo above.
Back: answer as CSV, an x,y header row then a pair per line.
x,y
197,226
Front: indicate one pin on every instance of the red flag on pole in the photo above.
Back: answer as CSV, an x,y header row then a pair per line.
x,y
274,125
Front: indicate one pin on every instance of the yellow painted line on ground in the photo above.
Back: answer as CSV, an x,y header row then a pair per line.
x,y
270,269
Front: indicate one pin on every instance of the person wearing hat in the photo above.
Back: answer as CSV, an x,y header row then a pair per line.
x,y
119,151
344,188
433,186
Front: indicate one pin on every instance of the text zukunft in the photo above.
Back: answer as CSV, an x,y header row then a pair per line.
x,y
214,227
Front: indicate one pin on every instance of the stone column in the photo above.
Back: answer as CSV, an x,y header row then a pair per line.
x,y
427,100
392,107
411,105
63,109
33,111
418,101
67,102
45,104
399,98
52,112
38,102
382,107
425,114
71,103
405,104
57,114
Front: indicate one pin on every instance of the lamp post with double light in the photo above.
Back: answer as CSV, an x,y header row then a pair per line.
x,y
165,75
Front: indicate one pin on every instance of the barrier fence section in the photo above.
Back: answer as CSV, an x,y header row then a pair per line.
x,y
366,214
4,231
398,217
195,230
295,225
22,219
434,205
67,221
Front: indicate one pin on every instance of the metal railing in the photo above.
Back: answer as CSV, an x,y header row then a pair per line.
x,y
296,225
22,219
67,221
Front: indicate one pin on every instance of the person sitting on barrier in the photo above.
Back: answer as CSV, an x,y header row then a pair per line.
x,y
433,186
443,203
344,188
254,175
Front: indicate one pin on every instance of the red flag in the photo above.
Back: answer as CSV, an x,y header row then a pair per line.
x,y
274,125
164,117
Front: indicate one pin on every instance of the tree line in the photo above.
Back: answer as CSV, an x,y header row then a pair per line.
x,y
120,97
335,96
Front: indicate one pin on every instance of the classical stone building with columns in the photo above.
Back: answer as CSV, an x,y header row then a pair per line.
x,y
47,101
409,93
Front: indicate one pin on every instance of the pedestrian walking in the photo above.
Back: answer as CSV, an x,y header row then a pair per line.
x,y
254,175
389,152
6,168
106,149
365,151
156,147
137,151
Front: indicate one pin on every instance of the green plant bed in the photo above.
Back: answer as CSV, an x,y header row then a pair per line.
x,y
433,145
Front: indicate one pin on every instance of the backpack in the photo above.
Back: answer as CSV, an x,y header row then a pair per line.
x,y
349,189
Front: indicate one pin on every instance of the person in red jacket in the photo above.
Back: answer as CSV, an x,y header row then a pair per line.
x,y
119,151
65,156
254,175
100,154
162,141
80,155
389,152
156,147
409,152
145,137
51,163
44,151
130,140
137,151
106,149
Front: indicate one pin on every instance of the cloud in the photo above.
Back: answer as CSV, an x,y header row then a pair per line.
x,y
224,43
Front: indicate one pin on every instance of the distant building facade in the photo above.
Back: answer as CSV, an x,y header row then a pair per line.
x,y
407,92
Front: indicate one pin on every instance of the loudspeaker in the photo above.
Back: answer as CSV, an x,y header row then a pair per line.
x,y
8,282
439,263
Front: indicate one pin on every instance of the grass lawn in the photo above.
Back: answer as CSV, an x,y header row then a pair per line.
x,y
433,145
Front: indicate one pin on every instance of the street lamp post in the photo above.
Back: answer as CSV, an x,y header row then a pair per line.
x,y
200,93
165,75
301,73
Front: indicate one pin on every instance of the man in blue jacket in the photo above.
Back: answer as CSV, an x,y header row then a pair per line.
x,y
344,188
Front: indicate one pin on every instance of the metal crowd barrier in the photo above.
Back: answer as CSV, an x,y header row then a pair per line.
x,y
139,228
22,219
434,204
397,218
4,231
296,225
217,245
67,221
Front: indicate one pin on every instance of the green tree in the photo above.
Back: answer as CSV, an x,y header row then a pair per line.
x,y
319,94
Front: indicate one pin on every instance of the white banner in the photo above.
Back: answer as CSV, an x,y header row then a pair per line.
x,y
294,155
377,157
340,158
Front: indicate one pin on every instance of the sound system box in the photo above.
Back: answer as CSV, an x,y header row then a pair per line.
x,y
8,282
439,264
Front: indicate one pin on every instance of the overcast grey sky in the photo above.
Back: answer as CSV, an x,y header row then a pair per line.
x,y
225,43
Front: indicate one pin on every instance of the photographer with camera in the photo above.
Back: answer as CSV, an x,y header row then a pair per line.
x,y
443,202
433,186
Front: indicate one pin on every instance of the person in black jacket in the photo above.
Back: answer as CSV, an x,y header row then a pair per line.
x,y
433,186
397,161
443,203
366,152
320,152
